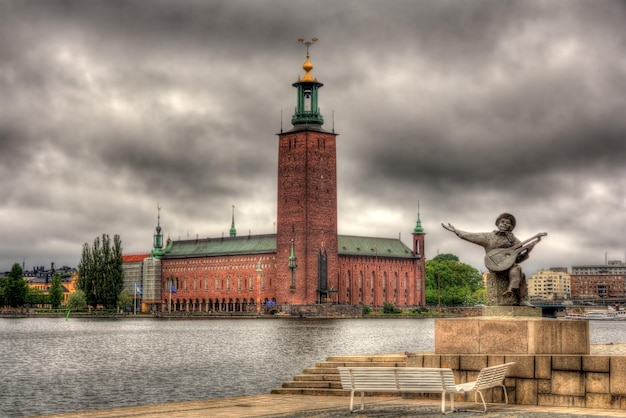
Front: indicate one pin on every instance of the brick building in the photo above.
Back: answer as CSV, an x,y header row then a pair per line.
x,y
601,282
305,262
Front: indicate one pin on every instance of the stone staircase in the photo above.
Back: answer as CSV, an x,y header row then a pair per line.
x,y
323,378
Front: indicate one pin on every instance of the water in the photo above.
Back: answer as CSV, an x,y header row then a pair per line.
x,y
54,365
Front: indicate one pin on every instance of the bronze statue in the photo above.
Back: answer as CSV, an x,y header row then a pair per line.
x,y
503,253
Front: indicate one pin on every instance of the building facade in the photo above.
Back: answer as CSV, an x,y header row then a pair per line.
x,y
551,284
606,281
305,262
41,279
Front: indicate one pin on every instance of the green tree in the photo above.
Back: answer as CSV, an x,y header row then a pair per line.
x,y
36,297
124,300
15,287
55,294
456,282
100,273
77,301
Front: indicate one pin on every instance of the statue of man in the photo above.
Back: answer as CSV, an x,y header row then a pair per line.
x,y
502,238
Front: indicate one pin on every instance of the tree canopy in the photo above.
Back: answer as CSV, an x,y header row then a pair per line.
x,y
457,282
100,274
13,288
55,294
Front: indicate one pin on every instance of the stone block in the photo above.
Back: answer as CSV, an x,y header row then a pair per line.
x,y
618,375
568,383
450,361
503,337
495,360
414,360
562,401
598,364
544,386
447,332
432,361
597,382
559,337
474,363
524,366
601,401
543,367
526,392
514,335
574,337
571,363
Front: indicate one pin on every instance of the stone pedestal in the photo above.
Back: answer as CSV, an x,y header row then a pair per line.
x,y
497,284
511,335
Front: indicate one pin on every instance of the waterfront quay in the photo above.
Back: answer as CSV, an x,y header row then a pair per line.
x,y
311,406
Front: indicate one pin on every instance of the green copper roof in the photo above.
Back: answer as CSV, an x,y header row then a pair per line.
x,y
259,244
253,244
371,246
418,226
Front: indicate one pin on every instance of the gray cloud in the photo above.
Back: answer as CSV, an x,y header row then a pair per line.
x,y
470,108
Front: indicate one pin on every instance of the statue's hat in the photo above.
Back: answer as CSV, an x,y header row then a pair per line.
x,y
507,216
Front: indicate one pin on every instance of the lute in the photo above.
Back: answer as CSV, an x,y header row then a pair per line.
x,y
501,259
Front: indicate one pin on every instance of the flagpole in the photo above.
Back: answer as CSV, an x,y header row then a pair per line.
x,y
170,309
135,301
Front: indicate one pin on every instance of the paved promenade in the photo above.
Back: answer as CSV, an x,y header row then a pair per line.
x,y
303,406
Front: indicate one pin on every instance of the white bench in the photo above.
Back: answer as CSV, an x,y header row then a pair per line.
x,y
398,379
420,380
489,377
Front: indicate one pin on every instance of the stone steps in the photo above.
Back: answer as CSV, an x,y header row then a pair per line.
x,y
323,377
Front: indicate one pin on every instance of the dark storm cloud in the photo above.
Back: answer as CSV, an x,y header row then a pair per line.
x,y
472,108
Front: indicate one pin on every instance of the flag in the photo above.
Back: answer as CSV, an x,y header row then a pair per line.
x,y
138,290
172,289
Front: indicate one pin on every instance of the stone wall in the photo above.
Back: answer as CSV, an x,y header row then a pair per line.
x,y
581,381
326,311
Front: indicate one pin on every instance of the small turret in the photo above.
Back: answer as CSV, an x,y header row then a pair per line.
x,y
418,236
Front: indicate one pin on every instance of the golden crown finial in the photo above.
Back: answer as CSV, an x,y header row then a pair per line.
x,y
307,66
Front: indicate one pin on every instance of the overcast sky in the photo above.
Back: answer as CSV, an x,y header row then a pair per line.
x,y
471,108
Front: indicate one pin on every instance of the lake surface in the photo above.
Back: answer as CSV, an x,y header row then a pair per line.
x,y
52,365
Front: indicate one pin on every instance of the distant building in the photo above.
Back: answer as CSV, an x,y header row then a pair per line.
x,y
40,278
305,262
599,281
550,284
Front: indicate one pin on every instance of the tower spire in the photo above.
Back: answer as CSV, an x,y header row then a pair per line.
x,y
307,111
233,231
158,237
418,226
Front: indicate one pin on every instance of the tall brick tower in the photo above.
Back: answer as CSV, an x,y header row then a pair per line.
x,y
307,263
419,236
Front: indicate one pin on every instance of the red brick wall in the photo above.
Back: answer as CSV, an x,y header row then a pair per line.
x,y
376,280
195,279
307,212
